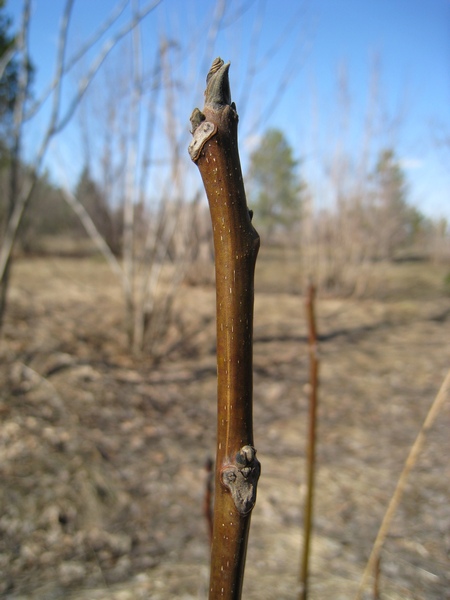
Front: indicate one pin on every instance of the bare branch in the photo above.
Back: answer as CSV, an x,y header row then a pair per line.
x,y
62,44
130,179
54,126
17,202
150,126
213,31
442,396
312,439
8,55
95,235
107,47
109,22
251,63
215,150
22,47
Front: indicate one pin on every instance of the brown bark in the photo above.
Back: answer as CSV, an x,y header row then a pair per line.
x,y
311,441
236,243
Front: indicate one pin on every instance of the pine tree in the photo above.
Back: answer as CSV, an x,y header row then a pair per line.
x,y
8,81
275,187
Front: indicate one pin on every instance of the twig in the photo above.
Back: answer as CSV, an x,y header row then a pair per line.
x,y
56,122
311,442
416,448
95,235
215,150
108,45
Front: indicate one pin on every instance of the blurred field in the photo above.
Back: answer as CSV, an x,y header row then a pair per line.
x,y
102,454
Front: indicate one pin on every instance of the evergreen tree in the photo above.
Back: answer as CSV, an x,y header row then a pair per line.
x,y
391,180
8,84
8,81
395,216
275,187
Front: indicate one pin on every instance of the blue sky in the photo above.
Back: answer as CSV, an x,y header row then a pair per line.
x,y
307,43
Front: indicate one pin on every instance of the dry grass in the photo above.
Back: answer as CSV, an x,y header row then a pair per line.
x,y
101,455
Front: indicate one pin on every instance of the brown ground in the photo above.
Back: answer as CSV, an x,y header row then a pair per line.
x,y
101,456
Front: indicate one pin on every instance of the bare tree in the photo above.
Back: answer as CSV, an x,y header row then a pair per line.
x,y
157,237
21,191
141,165
362,217
139,131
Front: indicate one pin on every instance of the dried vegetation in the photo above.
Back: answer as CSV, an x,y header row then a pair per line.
x,y
102,454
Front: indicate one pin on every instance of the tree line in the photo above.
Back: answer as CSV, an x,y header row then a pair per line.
x,y
365,216
280,196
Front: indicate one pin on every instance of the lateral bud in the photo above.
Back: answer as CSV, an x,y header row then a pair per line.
x,y
241,479
196,119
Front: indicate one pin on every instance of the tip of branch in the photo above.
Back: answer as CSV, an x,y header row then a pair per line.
x,y
218,84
